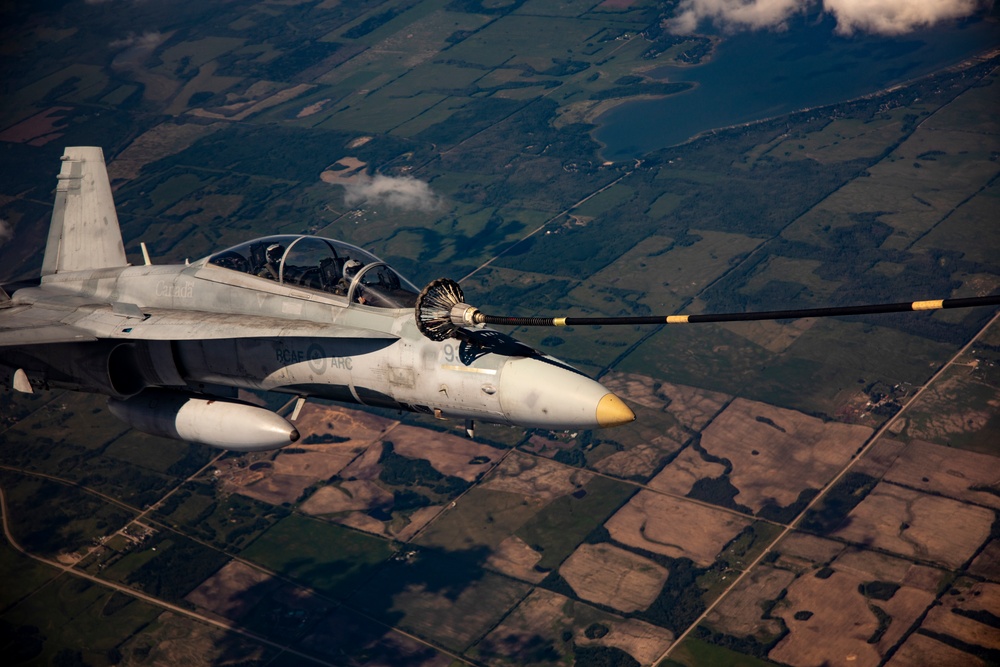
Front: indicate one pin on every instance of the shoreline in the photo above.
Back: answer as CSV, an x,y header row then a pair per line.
x,y
967,63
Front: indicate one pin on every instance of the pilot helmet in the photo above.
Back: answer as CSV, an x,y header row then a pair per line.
x,y
351,267
274,252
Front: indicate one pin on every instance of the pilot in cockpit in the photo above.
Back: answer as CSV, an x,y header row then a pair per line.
x,y
272,264
351,268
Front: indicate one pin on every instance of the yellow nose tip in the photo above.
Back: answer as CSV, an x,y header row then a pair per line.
x,y
612,411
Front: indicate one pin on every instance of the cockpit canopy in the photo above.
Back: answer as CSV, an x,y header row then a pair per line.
x,y
321,264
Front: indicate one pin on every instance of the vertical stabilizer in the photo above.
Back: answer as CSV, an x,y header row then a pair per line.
x,y
84,233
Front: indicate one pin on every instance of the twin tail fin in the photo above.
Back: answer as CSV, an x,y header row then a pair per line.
x,y
84,233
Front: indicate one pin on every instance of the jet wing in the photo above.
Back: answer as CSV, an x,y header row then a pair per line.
x,y
35,325
27,325
194,325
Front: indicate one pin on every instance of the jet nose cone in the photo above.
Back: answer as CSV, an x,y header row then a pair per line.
x,y
544,393
612,411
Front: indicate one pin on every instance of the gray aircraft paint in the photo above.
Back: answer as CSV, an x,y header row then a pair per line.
x,y
170,344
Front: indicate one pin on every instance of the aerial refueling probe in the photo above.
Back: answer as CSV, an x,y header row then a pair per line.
x,y
441,312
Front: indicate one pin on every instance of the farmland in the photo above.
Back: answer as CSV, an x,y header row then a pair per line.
x,y
797,492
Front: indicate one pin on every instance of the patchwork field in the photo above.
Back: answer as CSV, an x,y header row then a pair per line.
x,y
302,548
920,649
232,591
692,407
449,454
346,638
918,525
739,614
174,639
441,597
685,471
543,628
987,563
954,473
973,425
613,577
759,439
514,492
674,528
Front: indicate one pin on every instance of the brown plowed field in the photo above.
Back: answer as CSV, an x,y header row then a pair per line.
x,y
916,524
515,558
449,454
739,613
948,471
692,407
682,473
760,439
838,630
920,651
232,591
547,617
536,478
675,528
616,578
345,496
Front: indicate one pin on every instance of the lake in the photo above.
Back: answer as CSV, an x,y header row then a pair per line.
x,y
757,75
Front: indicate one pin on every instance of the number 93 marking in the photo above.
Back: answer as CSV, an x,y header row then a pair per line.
x,y
449,353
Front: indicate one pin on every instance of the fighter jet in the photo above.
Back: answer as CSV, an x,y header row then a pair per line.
x,y
170,345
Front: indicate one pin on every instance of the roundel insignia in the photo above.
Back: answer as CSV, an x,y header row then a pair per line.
x,y
316,356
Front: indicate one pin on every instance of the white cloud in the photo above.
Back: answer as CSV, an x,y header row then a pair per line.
x,y
135,49
147,40
6,231
734,14
895,17
887,17
400,192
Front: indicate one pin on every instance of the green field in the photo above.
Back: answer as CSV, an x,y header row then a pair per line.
x,y
696,653
33,436
49,518
447,598
483,518
328,558
21,576
159,454
228,521
563,524
166,565
74,619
